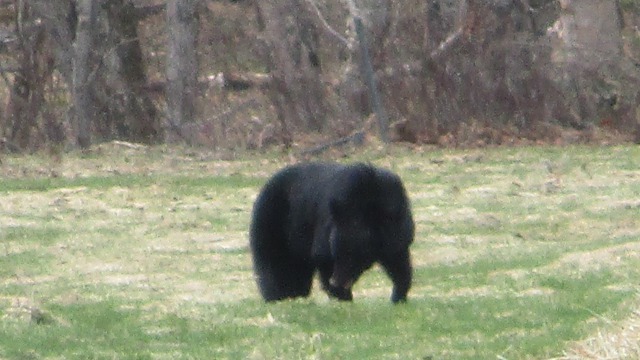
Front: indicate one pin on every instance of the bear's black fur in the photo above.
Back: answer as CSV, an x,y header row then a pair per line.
x,y
337,219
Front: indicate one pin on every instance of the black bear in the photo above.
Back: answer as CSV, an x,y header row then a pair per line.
x,y
336,219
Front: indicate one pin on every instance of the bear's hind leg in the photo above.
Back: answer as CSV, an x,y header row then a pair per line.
x,y
398,267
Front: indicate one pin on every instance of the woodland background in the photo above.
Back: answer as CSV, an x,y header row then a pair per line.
x,y
245,74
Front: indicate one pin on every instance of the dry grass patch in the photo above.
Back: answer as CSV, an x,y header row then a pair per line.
x,y
615,340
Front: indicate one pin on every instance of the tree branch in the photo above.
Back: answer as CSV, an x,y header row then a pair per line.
x,y
324,25
356,138
447,43
146,11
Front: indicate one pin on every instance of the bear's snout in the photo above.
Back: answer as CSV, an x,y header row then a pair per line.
x,y
340,280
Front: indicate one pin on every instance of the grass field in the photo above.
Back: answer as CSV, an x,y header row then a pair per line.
x,y
141,253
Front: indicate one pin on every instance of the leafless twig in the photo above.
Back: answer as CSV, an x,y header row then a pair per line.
x,y
325,25
447,43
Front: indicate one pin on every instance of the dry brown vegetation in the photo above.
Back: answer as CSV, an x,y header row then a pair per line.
x,y
452,73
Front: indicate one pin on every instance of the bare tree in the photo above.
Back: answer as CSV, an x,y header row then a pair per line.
x,y
59,19
182,64
107,79
601,85
296,89
27,93
82,99
127,77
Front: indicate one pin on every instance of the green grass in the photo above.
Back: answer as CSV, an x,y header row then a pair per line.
x,y
142,254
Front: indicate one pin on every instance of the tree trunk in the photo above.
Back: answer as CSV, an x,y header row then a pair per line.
x,y
59,18
588,33
587,49
82,99
182,63
128,76
27,93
